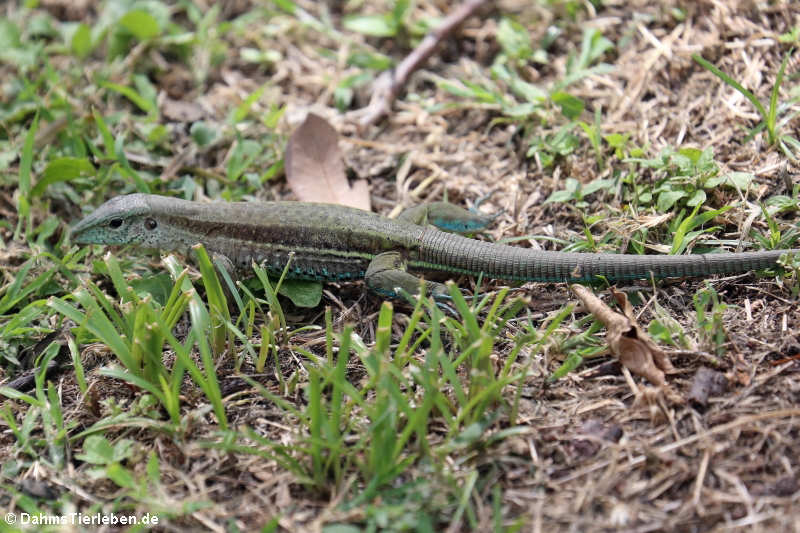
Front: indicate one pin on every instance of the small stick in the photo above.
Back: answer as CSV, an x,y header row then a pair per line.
x,y
388,84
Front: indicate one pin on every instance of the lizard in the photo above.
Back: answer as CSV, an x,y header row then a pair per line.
x,y
336,243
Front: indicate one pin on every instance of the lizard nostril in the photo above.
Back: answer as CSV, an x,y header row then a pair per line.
x,y
115,222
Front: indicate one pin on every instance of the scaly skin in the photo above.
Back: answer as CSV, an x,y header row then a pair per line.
x,y
335,243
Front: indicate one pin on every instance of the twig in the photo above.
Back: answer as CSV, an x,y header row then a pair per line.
x,y
388,85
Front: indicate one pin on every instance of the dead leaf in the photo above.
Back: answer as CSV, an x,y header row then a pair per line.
x,y
315,170
707,383
784,487
626,339
68,10
592,433
181,111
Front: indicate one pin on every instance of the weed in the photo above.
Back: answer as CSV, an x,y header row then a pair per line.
x,y
710,311
771,113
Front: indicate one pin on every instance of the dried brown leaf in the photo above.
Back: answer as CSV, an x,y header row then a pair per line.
x,y
707,383
626,339
181,110
315,170
592,433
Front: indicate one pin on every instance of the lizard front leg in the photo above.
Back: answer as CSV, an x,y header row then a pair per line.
x,y
386,276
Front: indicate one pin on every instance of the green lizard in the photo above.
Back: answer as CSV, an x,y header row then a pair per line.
x,y
336,243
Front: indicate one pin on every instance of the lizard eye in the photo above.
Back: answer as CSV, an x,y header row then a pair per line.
x,y
115,223
150,224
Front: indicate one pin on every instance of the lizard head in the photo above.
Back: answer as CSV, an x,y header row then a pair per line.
x,y
125,219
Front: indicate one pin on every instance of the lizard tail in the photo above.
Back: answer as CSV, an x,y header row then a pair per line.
x,y
452,253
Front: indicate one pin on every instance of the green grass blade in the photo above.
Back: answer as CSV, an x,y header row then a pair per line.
x,y
733,83
14,394
80,376
98,325
105,134
25,165
200,323
128,377
772,117
217,303
14,291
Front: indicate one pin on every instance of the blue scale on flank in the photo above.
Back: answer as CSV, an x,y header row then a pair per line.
x,y
458,226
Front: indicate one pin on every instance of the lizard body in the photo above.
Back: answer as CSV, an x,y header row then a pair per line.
x,y
337,243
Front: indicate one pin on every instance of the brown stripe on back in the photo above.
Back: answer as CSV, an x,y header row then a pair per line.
x,y
350,239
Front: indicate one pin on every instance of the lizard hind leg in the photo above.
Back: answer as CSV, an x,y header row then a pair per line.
x,y
447,217
386,276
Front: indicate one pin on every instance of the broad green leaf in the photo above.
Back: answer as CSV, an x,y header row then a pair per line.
x,y
693,154
598,184
141,24
9,34
141,102
514,39
145,88
740,180
154,133
697,198
782,203
120,475
667,199
153,470
559,196
455,89
302,293
81,43
400,9
96,450
490,95
202,134
254,55
660,332
792,36
373,25
593,46
343,97
123,449
521,110
63,169
528,91
242,110
244,153
705,162
286,5
572,362
616,140
159,286
370,60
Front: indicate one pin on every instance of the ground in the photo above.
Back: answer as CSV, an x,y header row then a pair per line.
x,y
592,127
